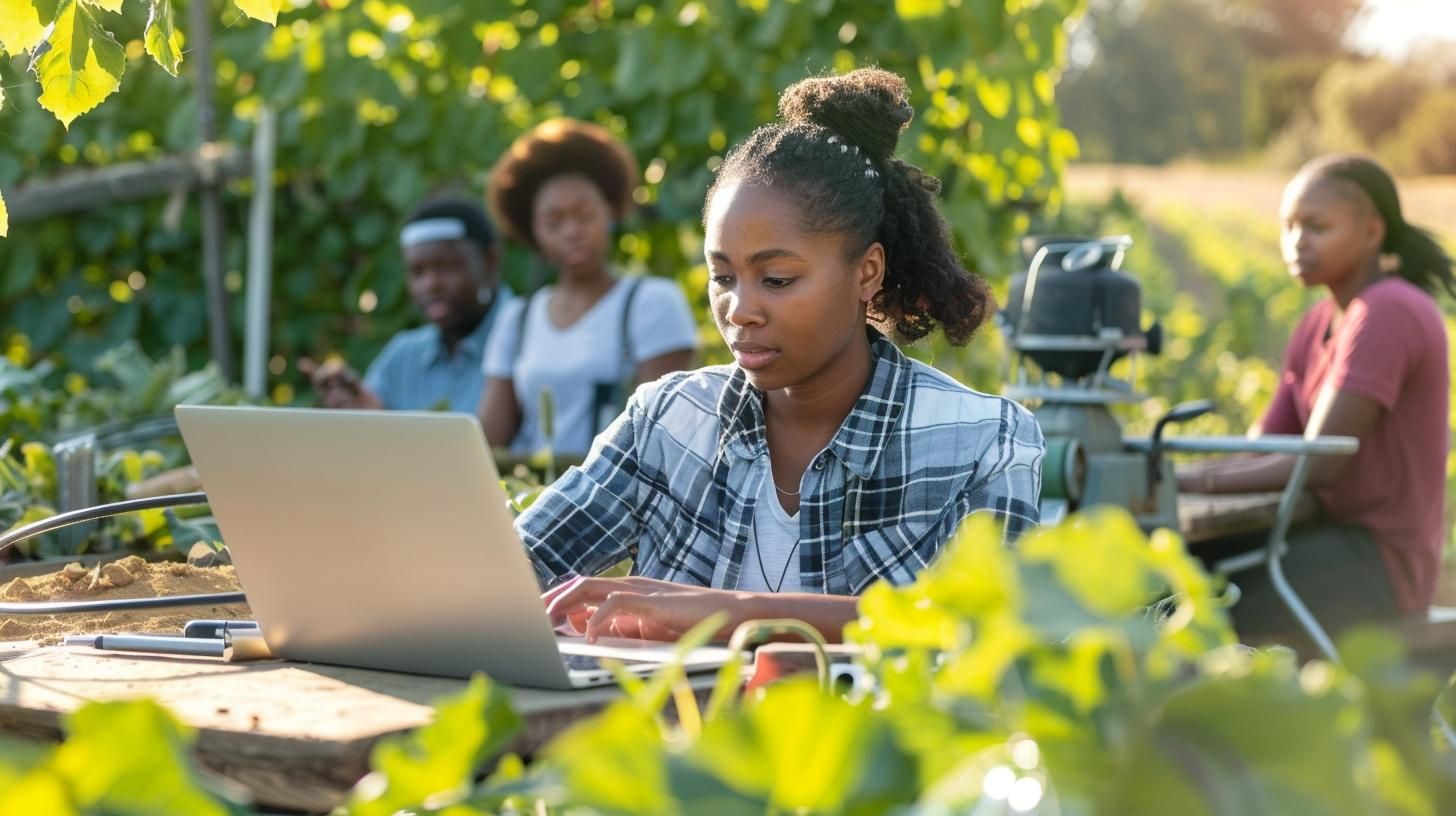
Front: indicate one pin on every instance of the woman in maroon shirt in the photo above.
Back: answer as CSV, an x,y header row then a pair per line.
x,y
1369,361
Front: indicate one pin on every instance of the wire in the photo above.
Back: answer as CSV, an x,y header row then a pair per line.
x,y
125,604
102,511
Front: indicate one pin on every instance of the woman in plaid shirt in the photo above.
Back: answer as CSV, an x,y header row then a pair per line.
x,y
823,459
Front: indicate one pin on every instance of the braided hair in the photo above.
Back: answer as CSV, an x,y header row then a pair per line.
x,y
1422,261
834,153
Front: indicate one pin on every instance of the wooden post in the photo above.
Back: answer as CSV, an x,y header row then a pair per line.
x,y
218,331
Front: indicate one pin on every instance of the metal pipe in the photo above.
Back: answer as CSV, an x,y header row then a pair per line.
x,y
260,258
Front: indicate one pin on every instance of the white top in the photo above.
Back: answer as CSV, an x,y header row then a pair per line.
x,y
771,563
585,358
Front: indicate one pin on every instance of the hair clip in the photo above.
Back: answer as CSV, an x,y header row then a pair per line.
x,y
843,149
833,139
871,174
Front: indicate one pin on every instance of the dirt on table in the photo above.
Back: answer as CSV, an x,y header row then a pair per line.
x,y
131,577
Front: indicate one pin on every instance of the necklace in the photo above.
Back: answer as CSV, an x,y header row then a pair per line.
x,y
758,553
786,492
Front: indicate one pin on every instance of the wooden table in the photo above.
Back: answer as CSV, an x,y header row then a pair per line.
x,y
1204,517
295,735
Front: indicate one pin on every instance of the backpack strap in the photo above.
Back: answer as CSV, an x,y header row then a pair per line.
x,y
633,285
521,330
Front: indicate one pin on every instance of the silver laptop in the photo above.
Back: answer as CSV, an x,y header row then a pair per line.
x,y
382,539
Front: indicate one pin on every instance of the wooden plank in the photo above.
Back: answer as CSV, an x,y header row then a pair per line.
x,y
1203,517
88,189
295,735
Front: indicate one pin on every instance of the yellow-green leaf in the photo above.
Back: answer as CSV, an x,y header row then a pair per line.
x,y
109,5
23,23
83,66
995,96
912,9
162,40
4,218
265,10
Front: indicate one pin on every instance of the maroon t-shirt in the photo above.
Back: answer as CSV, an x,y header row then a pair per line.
x,y
1390,347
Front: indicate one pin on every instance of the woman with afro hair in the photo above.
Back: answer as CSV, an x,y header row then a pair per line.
x,y
823,459
560,190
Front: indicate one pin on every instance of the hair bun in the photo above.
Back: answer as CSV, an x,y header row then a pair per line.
x,y
868,107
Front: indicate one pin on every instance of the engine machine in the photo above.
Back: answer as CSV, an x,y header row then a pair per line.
x,y
1069,317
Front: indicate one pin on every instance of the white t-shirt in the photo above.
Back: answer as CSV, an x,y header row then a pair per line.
x,y
771,562
585,358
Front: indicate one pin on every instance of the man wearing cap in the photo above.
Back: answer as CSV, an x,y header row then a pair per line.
x,y
450,260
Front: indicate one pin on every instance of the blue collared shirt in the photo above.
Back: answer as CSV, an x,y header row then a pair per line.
x,y
675,479
415,372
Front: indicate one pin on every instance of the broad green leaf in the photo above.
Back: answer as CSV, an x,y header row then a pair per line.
x,y
1253,741
23,23
83,66
131,757
113,6
437,762
162,41
614,762
264,10
1101,557
39,791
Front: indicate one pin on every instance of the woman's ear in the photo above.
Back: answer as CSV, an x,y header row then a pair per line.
x,y
870,272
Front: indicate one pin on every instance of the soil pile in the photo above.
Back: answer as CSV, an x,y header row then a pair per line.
x,y
131,577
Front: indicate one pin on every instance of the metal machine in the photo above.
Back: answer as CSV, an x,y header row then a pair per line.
x,y
1070,316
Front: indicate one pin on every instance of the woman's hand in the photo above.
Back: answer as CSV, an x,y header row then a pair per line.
x,y
338,385
635,607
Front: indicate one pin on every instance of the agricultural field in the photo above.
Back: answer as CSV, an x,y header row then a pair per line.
x,y
1207,253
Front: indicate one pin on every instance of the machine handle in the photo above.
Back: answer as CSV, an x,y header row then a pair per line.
x,y
1182,412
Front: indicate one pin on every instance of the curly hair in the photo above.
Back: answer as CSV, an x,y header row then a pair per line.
x,y
559,147
834,152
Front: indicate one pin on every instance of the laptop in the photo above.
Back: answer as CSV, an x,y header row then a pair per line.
x,y
383,540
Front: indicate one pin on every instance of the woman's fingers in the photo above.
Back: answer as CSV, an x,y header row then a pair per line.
x,y
634,615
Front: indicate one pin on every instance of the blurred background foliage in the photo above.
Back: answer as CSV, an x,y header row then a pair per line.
x,y
1272,82
379,104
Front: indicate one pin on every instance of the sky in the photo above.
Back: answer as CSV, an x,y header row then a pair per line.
x,y
1392,27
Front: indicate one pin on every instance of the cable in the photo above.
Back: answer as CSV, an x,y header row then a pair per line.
x,y
102,511
124,604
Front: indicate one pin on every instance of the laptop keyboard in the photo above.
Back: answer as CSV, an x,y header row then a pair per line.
x,y
581,662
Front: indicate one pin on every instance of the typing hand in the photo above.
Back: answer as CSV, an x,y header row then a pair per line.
x,y
642,608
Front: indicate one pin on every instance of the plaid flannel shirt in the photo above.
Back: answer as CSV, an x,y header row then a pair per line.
x,y
674,480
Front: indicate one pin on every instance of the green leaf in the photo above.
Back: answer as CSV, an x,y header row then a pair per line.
x,y
1101,556
804,751
1249,740
113,6
995,96
130,757
614,762
263,10
82,67
162,41
23,23
40,467
436,763
4,218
